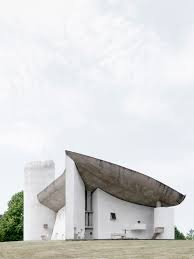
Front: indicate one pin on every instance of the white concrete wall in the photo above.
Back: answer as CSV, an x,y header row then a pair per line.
x,y
75,201
127,216
37,175
59,227
96,213
164,217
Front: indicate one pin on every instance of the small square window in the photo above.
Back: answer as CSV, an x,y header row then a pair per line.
x,y
45,226
112,216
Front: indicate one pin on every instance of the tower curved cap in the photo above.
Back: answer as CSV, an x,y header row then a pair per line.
x,y
123,183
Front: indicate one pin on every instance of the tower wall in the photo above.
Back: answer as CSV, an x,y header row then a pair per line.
x,y
164,218
38,219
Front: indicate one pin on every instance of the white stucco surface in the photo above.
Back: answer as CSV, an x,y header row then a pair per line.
x,y
38,219
75,202
127,215
59,227
164,217
132,220
96,209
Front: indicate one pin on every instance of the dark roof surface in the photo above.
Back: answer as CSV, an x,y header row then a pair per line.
x,y
123,183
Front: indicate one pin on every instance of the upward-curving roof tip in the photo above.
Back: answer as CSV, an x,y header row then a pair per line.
x,y
123,183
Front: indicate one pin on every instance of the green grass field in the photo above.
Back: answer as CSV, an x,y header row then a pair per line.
x,y
115,249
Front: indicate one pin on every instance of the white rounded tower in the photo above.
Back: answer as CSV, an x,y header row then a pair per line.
x,y
38,219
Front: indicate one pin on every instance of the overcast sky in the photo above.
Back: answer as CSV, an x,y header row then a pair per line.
x,y
107,78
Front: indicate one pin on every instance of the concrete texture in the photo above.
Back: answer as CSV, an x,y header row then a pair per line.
x,y
164,219
59,227
75,202
53,196
124,249
60,204
127,217
124,183
38,219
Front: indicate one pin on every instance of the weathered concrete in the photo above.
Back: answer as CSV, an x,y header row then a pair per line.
x,y
123,183
53,196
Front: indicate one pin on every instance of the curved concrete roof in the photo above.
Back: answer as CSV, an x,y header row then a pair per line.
x,y
53,196
123,183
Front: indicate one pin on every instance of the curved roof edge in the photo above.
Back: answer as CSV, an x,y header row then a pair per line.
x,y
53,196
124,183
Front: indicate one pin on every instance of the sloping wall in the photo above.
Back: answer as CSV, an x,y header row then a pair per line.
x,y
59,228
75,202
127,216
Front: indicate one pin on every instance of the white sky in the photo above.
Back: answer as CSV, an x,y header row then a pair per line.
x,y
107,78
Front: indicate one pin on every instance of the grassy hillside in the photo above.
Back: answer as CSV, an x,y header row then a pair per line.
x,y
120,249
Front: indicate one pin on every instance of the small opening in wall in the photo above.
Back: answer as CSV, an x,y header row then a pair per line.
x,y
112,216
138,221
45,226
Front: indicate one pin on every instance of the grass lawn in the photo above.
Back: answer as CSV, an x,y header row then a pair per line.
x,y
111,249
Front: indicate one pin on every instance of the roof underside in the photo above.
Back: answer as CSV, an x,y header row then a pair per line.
x,y
124,183
53,196
116,180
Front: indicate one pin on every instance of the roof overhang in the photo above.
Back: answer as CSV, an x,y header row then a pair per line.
x,y
123,183
53,196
